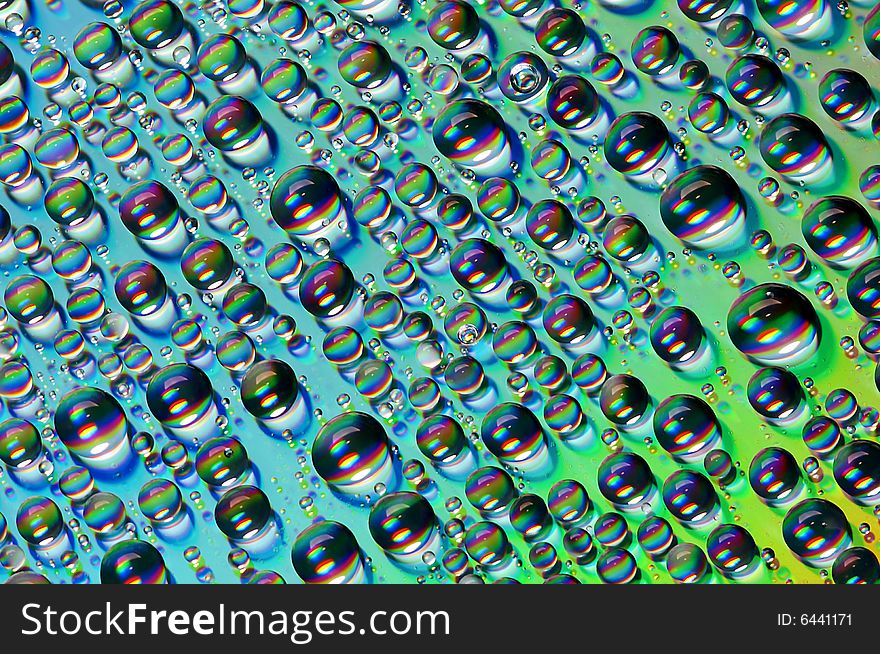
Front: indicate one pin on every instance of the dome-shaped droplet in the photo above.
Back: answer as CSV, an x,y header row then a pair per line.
x,y
93,426
775,393
269,389
816,531
704,207
243,513
685,426
636,143
305,201
403,524
327,553
626,480
478,265
774,324
690,497
732,550
472,134
326,288
857,471
133,562
180,395
352,453
513,434
624,400
863,288
840,230
793,145
774,475
677,335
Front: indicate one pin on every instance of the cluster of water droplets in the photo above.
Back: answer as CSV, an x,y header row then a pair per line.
x,y
371,291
